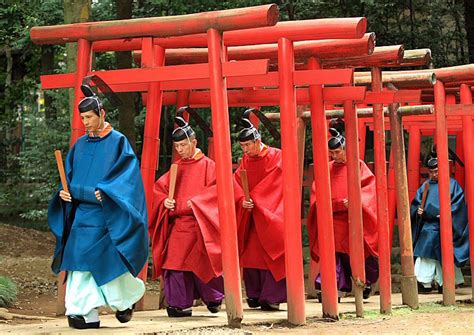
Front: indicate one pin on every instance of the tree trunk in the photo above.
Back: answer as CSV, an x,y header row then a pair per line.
x,y
47,65
124,61
75,11
469,25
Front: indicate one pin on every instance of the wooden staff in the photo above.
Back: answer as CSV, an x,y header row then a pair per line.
x,y
62,174
245,184
419,222
173,173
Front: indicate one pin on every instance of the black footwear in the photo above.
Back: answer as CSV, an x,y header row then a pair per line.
x,y
126,315
270,307
367,292
423,289
78,322
175,312
253,303
440,289
214,307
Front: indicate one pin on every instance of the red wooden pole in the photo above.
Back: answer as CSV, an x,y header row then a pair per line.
x,y
291,185
356,237
83,66
444,196
392,196
153,56
385,281
362,135
459,173
323,199
225,188
466,98
408,282
413,164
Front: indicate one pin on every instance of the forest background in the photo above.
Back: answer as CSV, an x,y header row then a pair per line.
x,y
33,123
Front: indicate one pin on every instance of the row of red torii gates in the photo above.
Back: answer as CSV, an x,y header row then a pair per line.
x,y
243,57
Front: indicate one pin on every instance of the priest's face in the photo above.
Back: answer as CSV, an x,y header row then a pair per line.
x,y
186,148
93,122
338,155
251,147
433,174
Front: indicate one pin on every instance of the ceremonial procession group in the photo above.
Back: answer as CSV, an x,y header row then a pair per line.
x,y
104,229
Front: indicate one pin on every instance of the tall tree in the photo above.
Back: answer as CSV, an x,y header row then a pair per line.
x,y
469,25
75,11
124,61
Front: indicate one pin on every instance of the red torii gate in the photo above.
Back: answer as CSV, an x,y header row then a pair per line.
x,y
285,50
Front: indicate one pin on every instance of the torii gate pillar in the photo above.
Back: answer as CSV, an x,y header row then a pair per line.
x,y
466,98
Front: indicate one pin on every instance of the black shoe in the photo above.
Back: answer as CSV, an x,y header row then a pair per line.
x,y
214,307
423,289
367,292
440,289
253,303
175,312
270,307
78,322
126,315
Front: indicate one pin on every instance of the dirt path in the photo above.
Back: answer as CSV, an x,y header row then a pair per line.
x,y
25,256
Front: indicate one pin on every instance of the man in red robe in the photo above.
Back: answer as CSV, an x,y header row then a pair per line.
x,y
260,221
340,204
185,241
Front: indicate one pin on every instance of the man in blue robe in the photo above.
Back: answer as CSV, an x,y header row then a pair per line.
x,y
101,224
426,231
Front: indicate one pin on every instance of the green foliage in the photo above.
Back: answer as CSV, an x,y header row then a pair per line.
x,y
38,177
8,292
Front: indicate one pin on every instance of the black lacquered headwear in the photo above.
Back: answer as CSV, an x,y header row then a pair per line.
x,y
183,131
432,163
92,102
248,131
336,129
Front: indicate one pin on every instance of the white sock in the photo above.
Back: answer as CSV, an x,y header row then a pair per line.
x,y
92,316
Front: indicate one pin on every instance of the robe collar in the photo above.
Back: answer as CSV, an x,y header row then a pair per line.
x,y
262,153
104,132
197,156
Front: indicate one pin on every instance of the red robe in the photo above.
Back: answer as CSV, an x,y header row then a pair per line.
x,y
261,230
187,239
338,175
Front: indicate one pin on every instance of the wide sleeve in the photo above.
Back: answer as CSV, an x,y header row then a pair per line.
x,y
61,215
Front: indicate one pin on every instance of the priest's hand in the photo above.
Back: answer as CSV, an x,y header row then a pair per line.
x,y
66,196
420,211
248,204
345,202
98,196
170,204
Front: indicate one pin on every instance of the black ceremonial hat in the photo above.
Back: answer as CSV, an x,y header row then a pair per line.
x,y
91,102
248,132
432,163
336,140
184,130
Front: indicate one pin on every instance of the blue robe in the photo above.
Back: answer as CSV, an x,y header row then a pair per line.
x,y
429,241
106,238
